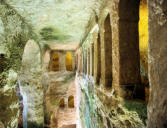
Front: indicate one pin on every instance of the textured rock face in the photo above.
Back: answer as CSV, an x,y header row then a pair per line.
x,y
157,108
98,109
9,109
14,32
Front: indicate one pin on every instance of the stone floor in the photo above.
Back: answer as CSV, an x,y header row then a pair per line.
x,y
66,118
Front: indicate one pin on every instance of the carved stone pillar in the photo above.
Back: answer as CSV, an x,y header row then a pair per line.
x,y
62,60
92,59
82,62
88,61
73,61
97,60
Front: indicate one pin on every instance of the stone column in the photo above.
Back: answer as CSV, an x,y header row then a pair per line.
x,y
73,61
97,60
62,60
82,62
91,65
157,106
92,51
77,57
115,43
88,61
79,62
85,62
106,54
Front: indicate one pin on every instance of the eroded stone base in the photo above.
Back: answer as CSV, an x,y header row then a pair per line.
x,y
100,109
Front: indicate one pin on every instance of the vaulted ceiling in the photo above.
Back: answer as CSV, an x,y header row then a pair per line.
x,y
56,20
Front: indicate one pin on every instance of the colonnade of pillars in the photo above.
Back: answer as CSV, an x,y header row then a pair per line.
x,y
124,55
112,61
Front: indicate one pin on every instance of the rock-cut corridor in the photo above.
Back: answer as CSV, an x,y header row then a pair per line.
x,y
83,64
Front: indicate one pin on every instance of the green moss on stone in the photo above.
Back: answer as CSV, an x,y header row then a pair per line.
x,y
51,33
34,125
140,108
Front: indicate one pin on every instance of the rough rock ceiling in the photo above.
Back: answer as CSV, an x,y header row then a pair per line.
x,y
65,18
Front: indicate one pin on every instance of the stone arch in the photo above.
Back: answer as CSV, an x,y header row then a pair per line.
x,y
54,62
97,60
106,54
31,56
30,78
129,60
62,103
69,61
71,102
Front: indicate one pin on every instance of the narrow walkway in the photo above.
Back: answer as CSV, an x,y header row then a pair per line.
x,y
66,117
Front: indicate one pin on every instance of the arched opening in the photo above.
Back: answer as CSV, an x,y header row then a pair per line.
x,y
129,57
54,63
129,53
69,61
143,45
97,60
71,101
106,54
62,103
30,79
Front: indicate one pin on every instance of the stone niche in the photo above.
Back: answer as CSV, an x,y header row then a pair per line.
x,y
2,62
54,61
62,103
69,61
71,101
